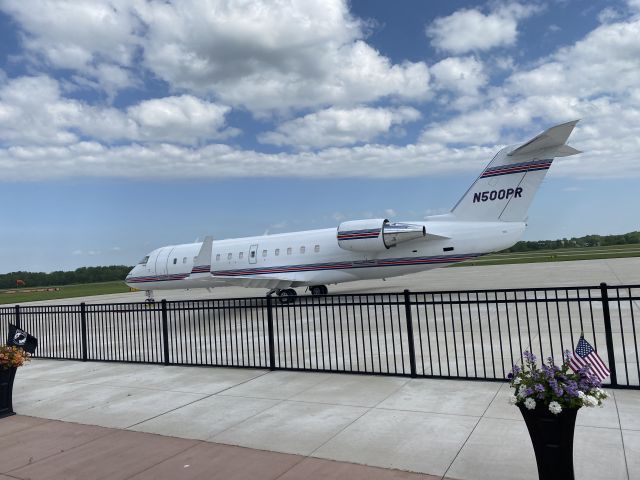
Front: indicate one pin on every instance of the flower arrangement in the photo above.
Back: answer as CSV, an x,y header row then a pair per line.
x,y
556,387
11,356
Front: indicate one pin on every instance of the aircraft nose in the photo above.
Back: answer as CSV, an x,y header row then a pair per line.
x,y
131,273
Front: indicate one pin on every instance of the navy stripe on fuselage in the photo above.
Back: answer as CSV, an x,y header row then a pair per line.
x,y
201,269
385,262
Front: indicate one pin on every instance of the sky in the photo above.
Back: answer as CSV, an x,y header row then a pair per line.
x,y
126,125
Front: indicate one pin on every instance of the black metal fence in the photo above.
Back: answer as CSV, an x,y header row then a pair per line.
x,y
475,334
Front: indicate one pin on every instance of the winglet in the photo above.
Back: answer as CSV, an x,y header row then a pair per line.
x,y
202,263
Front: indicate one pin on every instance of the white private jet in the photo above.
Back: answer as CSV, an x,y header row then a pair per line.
x,y
489,217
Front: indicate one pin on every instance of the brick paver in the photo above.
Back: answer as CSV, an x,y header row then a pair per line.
x,y
36,449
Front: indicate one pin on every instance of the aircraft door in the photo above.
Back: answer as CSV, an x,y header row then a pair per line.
x,y
162,260
253,254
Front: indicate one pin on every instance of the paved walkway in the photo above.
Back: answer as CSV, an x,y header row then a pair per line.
x,y
34,448
454,429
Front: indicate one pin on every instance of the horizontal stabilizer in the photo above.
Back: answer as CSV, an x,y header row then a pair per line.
x,y
549,143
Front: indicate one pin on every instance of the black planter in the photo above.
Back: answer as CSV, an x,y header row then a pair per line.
x,y
7,375
552,438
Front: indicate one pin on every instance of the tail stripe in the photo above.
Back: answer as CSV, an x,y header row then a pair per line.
x,y
517,168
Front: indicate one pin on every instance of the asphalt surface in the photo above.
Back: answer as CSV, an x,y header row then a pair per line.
x,y
616,271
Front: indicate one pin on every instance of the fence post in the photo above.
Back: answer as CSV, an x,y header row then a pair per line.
x,y
165,332
18,316
412,348
83,320
604,295
272,351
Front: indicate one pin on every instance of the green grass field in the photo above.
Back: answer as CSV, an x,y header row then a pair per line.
x,y
66,291
591,253
559,255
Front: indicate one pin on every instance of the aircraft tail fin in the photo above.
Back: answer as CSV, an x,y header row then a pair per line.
x,y
505,189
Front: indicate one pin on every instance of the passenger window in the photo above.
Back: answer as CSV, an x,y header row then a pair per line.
x,y
218,257
175,260
316,248
277,252
289,251
184,259
301,249
241,255
253,254
229,256
264,253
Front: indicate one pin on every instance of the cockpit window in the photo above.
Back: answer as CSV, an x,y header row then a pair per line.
x,y
144,260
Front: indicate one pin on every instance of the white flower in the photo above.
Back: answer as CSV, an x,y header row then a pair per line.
x,y
513,399
516,381
521,393
555,408
530,403
581,395
589,401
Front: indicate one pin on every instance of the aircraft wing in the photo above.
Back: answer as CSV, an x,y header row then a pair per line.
x,y
253,281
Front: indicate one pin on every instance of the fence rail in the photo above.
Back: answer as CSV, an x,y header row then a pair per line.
x,y
473,334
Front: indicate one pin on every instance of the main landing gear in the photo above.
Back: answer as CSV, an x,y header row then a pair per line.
x,y
319,290
288,295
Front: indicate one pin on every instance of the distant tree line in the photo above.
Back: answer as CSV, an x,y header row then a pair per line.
x,y
579,242
119,272
79,275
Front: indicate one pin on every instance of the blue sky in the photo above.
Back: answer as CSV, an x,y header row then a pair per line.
x,y
128,124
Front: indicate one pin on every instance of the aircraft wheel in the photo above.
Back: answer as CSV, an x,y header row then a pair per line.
x,y
319,290
287,295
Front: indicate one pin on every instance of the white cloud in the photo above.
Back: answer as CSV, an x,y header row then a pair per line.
x,y
96,38
273,55
34,112
606,60
464,75
259,54
181,119
595,79
471,30
336,126
634,5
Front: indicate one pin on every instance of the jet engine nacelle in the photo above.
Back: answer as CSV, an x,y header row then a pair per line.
x,y
376,235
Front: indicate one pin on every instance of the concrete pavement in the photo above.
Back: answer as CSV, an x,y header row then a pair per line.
x,y
454,429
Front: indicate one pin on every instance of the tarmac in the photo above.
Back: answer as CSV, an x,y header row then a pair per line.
x,y
616,271
113,420
109,420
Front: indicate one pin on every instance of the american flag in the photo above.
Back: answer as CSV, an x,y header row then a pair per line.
x,y
585,355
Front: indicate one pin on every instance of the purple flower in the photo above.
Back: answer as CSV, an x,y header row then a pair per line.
x,y
527,391
529,357
571,387
539,387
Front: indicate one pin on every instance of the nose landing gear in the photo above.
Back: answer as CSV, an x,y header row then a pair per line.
x,y
149,295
